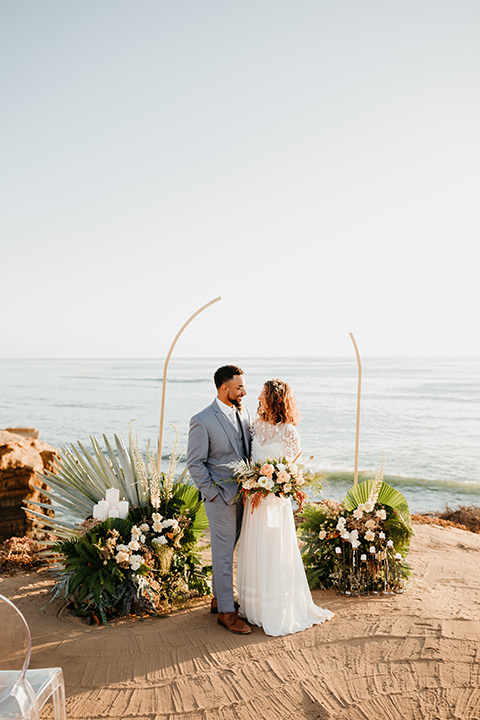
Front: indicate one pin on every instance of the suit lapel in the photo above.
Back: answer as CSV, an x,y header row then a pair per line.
x,y
226,425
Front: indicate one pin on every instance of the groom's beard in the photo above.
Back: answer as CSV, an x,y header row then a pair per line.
x,y
237,402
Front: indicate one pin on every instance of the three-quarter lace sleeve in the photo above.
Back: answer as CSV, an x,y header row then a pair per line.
x,y
291,439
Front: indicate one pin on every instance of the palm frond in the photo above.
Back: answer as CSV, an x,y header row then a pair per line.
x,y
81,477
242,467
386,496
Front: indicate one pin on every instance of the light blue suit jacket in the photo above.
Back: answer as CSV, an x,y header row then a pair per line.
x,y
212,445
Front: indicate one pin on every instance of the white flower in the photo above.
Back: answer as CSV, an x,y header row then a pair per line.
x,y
172,523
134,545
370,524
264,482
135,561
341,524
322,534
162,540
156,517
281,467
373,550
135,533
363,558
345,535
381,514
157,526
122,557
369,535
144,527
355,544
358,513
361,507
142,538
381,535
338,550
287,487
398,556
369,506
293,468
249,484
354,535
390,543
300,480
122,548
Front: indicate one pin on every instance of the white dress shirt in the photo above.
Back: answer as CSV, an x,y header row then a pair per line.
x,y
230,412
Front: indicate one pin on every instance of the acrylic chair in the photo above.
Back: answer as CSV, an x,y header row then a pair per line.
x,y
23,692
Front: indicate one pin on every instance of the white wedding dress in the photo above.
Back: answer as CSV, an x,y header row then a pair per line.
x,y
272,586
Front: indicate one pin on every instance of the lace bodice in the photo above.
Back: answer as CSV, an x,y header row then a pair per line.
x,y
274,441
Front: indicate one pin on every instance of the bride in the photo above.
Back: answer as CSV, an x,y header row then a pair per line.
x,y
271,584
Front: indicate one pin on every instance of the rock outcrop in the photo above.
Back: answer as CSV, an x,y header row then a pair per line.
x,y
22,455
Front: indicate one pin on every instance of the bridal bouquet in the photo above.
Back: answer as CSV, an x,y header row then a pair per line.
x,y
277,476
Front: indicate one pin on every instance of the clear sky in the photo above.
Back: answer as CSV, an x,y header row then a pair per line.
x,y
314,162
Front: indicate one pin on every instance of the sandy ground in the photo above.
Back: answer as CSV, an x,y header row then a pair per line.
x,y
410,656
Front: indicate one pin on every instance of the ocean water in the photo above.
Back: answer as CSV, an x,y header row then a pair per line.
x,y
423,413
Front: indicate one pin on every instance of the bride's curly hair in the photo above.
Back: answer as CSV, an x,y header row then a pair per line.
x,y
280,404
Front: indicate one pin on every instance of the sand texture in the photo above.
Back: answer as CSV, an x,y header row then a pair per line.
x,y
410,656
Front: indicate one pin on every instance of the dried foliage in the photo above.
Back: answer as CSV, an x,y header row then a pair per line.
x,y
464,517
18,553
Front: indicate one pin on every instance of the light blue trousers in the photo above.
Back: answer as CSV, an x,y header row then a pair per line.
x,y
225,525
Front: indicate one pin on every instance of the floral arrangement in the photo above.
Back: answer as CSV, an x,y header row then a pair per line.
x,y
280,477
360,545
114,566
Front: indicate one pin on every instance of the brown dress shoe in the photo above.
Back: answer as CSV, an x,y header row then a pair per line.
x,y
233,624
214,606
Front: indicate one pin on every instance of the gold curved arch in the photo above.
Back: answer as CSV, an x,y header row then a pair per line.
x,y
164,384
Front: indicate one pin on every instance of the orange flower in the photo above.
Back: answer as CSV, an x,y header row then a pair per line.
x,y
267,470
283,476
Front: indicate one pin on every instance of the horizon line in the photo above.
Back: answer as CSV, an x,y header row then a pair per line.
x,y
244,357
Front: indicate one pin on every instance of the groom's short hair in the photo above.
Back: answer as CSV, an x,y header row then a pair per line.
x,y
226,373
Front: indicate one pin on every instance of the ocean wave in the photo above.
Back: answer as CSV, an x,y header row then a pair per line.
x,y
399,481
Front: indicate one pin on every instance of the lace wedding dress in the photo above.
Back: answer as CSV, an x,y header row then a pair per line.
x,y
272,587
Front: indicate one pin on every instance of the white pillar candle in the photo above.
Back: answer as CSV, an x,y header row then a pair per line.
x,y
112,496
102,509
123,509
113,513
96,511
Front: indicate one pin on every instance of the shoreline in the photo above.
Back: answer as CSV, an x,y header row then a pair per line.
x,y
405,656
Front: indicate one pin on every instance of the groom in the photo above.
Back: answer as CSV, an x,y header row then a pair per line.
x,y
218,435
